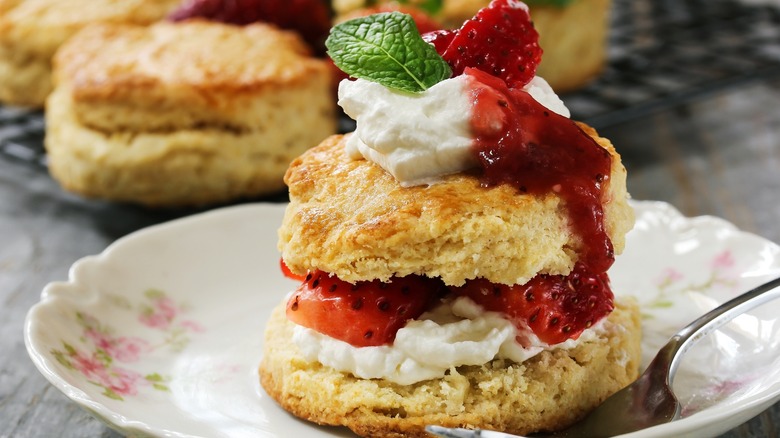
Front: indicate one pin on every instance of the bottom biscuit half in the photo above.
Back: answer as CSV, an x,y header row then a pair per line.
x,y
548,392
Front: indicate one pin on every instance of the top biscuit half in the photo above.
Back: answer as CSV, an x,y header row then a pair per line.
x,y
352,219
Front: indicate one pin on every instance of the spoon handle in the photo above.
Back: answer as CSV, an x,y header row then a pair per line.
x,y
712,320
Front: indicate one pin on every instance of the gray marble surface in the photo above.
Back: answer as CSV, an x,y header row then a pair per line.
x,y
718,156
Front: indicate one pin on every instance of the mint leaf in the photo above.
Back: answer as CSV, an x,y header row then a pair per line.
x,y
387,48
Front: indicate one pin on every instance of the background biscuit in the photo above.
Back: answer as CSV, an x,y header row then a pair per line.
x,y
193,74
127,122
31,31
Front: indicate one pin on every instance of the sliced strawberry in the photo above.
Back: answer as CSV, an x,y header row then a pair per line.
x,y
500,40
310,18
288,273
554,307
368,313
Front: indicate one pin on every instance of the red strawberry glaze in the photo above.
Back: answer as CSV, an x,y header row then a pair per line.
x,y
522,143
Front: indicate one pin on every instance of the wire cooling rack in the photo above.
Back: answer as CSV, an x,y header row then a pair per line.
x,y
662,54
21,135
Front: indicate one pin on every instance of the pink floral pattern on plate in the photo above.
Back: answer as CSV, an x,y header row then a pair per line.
x,y
717,390
105,359
672,280
721,274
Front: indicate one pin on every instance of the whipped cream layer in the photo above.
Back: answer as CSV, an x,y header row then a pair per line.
x,y
456,333
418,138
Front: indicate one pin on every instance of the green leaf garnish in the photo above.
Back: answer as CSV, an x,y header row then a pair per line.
x,y
387,48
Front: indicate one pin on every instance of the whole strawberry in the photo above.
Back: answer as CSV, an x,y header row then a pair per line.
x,y
499,40
310,18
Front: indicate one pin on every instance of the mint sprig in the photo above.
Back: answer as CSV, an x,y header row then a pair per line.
x,y
387,48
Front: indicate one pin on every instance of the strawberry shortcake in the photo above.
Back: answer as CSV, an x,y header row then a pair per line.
x,y
453,250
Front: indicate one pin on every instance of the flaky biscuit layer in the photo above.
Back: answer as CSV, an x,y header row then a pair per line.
x,y
352,219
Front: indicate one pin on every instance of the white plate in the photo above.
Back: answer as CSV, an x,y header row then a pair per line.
x,y
160,334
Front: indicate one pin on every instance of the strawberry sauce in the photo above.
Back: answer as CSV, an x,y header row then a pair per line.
x,y
522,143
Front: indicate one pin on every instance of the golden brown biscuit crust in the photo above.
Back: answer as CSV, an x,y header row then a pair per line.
x,y
547,392
352,219
183,75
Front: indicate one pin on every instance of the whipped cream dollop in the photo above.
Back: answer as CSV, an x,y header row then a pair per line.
x,y
457,332
418,138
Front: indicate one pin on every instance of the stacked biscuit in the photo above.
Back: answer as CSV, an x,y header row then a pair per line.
x,y
353,220
184,113
31,31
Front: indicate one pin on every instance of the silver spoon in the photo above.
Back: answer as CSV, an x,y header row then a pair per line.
x,y
649,401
